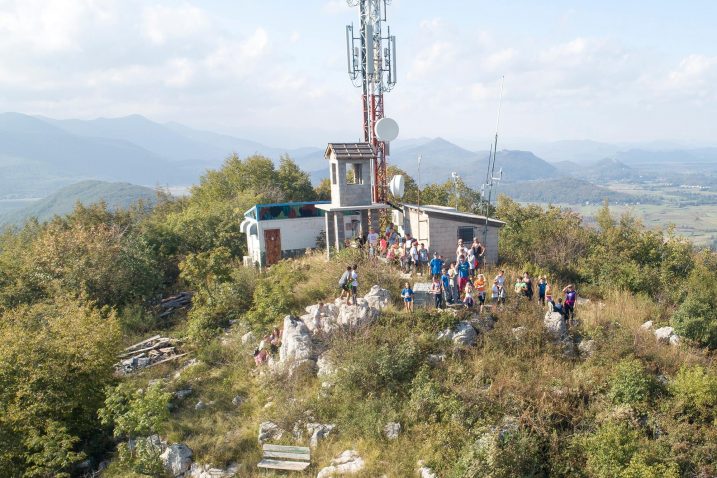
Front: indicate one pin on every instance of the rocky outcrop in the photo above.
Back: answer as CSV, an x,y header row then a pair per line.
x,y
392,430
667,335
647,325
207,471
462,334
296,342
318,432
586,347
555,325
177,459
426,472
378,298
269,431
347,463
341,316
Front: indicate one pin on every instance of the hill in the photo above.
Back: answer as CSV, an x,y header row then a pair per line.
x,y
565,191
115,195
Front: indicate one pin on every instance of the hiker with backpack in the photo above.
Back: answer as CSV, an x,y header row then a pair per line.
x,y
344,285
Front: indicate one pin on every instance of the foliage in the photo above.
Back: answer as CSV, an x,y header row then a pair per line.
x,y
696,317
55,360
273,295
610,449
630,385
694,392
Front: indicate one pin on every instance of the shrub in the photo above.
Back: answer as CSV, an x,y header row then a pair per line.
x,y
610,449
695,393
639,468
696,320
629,384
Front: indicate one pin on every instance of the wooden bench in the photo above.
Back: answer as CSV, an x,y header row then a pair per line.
x,y
289,458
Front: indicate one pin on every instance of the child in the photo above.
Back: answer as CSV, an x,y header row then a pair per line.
x,y
542,284
571,296
437,292
480,288
548,292
344,282
468,299
354,284
407,294
447,289
452,275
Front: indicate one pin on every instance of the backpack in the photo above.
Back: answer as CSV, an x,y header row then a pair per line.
x,y
344,279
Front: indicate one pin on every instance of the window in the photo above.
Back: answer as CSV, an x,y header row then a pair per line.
x,y
354,173
333,173
465,233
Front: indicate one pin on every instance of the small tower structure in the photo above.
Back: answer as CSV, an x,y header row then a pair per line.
x,y
351,192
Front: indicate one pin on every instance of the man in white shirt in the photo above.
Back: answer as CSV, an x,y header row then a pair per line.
x,y
461,251
372,240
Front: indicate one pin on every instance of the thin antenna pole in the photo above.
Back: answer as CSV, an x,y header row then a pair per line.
x,y
491,163
419,197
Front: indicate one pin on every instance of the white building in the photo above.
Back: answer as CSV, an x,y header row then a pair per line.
x,y
279,231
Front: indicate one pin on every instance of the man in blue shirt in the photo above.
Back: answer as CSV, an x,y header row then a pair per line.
x,y
463,272
436,265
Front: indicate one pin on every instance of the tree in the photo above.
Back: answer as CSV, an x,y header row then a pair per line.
x,y
323,190
293,182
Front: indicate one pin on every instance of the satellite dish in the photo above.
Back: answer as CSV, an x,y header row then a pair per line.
x,y
397,186
386,129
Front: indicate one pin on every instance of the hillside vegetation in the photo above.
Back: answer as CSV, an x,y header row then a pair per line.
x,y
76,290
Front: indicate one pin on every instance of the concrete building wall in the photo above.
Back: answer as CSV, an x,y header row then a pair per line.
x,y
444,238
297,234
343,194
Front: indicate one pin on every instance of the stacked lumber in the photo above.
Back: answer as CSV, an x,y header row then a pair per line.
x,y
148,353
183,300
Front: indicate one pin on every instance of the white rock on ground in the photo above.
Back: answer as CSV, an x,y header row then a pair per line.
x,y
378,298
295,341
246,338
675,340
269,431
200,405
586,347
463,334
663,334
647,325
238,400
392,430
207,471
177,459
555,325
182,394
519,332
318,432
425,472
347,463
356,316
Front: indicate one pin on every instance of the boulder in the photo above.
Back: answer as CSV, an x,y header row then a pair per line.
x,y
586,347
356,316
378,298
295,341
324,366
555,325
675,340
663,334
207,471
238,400
327,316
200,405
177,459
318,431
436,359
392,430
347,463
647,325
519,333
248,337
182,394
269,431
462,334
425,472
483,324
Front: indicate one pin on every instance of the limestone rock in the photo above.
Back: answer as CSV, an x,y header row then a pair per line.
x,y
483,324
269,431
675,340
207,471
463,334
587,347
663,334
238,400
392,430
436,359
378,298
319,319
555,325
324,366
519,333
182,394
356,316
347,463
647,325
296,341
177,459
248,337
425,472
318,431
200,405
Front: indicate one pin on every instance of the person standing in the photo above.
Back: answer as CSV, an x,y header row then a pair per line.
x,y
471,260
413,257
423,258
460,250
407,294
453,274
528,286
354,284
447,288
436,291
571,297
344,282
480,289
372,240
542,289
436,265
463,271
548,292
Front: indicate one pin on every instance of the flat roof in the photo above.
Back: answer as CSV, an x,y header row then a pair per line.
x,y
350,151
452,213
330,208
253,209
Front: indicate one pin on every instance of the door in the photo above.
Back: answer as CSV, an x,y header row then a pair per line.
x,y
272,245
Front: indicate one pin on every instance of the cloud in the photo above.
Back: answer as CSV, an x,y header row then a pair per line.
x,y
162,23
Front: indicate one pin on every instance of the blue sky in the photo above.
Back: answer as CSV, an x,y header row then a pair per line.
x,y
274,71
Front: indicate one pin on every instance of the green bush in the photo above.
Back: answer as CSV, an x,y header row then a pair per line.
x,y
696,320
610,449
630,385
694,392
639,468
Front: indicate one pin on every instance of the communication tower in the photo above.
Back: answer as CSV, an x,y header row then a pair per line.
x,y
372,67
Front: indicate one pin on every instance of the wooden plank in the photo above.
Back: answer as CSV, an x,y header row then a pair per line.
x,y
284,465
131,347
289,456
286,449
175,357
161,343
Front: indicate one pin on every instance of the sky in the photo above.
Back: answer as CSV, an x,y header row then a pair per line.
x,y
275,70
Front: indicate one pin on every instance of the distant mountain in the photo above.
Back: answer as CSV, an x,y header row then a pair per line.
x,y
566,191
115,195
608,169
577,151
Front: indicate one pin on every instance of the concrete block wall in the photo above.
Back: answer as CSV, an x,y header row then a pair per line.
x,y
444,238
343,194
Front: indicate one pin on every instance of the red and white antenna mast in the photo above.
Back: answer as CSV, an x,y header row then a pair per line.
x,y
372,67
